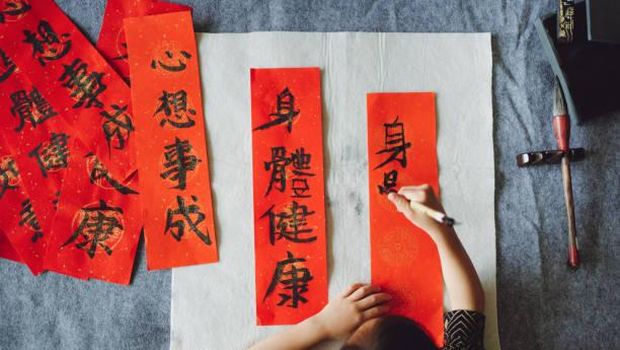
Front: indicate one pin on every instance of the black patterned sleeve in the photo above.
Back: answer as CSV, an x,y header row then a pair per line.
x,y
463,330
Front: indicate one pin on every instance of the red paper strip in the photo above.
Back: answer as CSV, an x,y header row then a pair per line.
x,y
69,72
90,102
6,249
111,42
36,135
174,166
18,222
96,232
289,211
404,260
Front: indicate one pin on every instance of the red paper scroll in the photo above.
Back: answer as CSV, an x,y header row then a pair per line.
x,y
289,212
6,249
56,69
401,150
37,136
96,232
69,72
20,227
112,43
174,167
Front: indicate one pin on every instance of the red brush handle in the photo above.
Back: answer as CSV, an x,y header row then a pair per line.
x,y
561,130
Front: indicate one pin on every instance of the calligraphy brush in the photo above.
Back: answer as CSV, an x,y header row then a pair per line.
x,y
561,130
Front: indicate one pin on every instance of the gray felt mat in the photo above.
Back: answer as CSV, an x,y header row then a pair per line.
x,y
542,305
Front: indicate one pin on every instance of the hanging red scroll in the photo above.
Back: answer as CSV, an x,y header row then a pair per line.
x,y
174,165
402,151
111,43
289,213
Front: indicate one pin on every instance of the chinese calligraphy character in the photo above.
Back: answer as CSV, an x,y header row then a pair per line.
x,y
389,182
46,44
7,66
117,126
30,107
52,155
179,160
285,111
13,10
29,219
177,219
299,160
169,64
294,277
85,87
395,144
290,224
101,226
9,175
277,165
174,104
98,173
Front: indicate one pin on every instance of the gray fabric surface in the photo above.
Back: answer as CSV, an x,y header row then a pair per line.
x,y
542,305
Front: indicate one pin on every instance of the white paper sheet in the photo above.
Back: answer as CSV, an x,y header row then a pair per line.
x,y
213,305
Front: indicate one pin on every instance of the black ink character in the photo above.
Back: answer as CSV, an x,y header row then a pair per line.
x,y
395,144
117,127
100,226
179,160
389,182
292,274
285,111
175,109
170,64
277,165
31,107
99,173
46,44
9,175
52,155
85,87
300,160
7,66
290,224
13,10
29,220
176,225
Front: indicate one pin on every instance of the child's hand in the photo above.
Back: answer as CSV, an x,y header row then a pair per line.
x,y
422,194
359,303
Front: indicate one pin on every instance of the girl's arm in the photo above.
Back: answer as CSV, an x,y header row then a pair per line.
x,y
459,275
337,320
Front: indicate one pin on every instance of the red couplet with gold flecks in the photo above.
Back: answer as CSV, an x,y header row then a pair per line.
x,y
170,126
112,43
289,210
402,151
96,232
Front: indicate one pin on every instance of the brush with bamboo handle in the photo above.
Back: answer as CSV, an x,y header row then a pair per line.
x,y
561,130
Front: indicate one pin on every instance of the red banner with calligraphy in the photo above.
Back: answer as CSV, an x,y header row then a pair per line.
x,y
289,209
174,165
57,89
111,43
96,232
35,134
402,151
19,226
